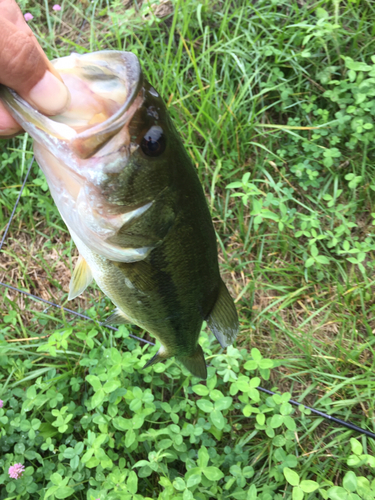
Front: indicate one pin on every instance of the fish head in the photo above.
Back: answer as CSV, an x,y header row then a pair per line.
x,y
107,156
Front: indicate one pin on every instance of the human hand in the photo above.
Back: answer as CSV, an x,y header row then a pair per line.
x,y
24,67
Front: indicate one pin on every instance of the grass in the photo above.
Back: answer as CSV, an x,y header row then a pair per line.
x,y
251,88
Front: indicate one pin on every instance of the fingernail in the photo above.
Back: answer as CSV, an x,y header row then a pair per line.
x,y
8,134
49,95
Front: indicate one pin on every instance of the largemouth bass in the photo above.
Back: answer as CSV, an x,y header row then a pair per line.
x,y
132,201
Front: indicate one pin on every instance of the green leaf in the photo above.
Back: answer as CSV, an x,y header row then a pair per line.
x,y
278,440
98,398
56,479
193,480
188,495
165,444
255,354
132,482
111,385
254,382
353,461
337,493
276,421
356,446
217,419
321,13
64,492
94,381
223,403
265,363
248,410
92,463
252,493
286,409
86,456
322,259
69,453
290,423
251,365
31,392
135,404
201,390
213,473
203,457
205,405
308,486
261,418
291,476
19,448
350,481
254,394
122,424
179,484
129,438
297,493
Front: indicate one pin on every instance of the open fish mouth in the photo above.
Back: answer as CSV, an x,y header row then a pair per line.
x,y
83,150
103,87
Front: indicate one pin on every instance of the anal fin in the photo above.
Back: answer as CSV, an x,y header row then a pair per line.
x,y
223,319
161,355
196,364
81,278
117,318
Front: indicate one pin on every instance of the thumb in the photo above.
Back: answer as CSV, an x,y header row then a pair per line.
x,y
26,69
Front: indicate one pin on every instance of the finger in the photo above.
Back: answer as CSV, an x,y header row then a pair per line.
x,y
8,125
11,11
25,68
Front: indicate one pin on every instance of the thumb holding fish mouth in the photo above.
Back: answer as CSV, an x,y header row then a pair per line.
x,y
24,67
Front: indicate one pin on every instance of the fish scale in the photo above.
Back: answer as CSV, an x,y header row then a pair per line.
x,y
132,201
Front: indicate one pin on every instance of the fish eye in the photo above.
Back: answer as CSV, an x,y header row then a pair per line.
x,y
153,143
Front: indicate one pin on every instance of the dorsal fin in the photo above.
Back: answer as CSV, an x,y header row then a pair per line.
x,y
81,278
223,319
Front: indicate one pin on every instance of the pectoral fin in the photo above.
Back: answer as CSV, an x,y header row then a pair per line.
x,y
117,318
81,278
223,319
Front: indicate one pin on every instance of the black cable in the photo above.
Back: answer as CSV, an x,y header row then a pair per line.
x,y
15,205
70,311
349,425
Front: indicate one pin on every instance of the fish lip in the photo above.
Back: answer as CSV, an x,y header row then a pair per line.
x,y
85,144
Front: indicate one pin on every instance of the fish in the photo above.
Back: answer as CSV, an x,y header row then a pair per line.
x,y
132,201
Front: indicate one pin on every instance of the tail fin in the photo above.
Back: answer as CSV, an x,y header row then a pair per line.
x,y
223,319
196,363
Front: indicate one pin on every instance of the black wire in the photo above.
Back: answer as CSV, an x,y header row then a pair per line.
x,y
70,311
349,425
17,201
